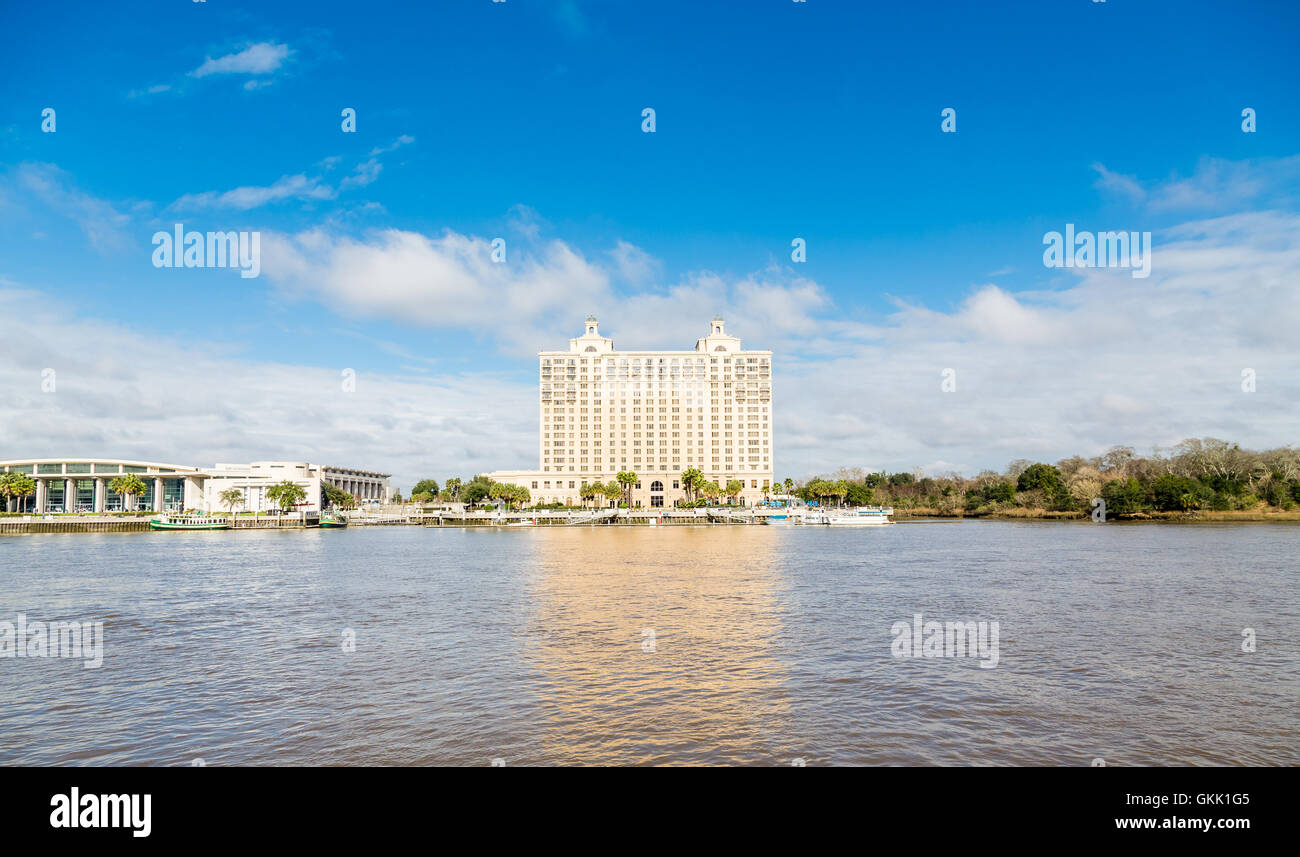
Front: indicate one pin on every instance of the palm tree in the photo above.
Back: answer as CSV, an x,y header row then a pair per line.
x,y
230,498
14,485
841,491
816,488
734,487
627,478
710,490
789,486
286,494
452,485
612,490
691,479
129,486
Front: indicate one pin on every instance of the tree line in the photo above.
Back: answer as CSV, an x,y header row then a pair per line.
x,y
699,490
1196,474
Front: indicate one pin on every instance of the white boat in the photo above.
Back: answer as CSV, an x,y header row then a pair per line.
x,y
863,516
188,522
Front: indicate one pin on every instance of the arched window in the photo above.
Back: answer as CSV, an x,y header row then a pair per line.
x,y
590,348
656,486
721,348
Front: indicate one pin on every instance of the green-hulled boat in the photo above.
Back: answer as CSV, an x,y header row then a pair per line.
x,y
332,521
188,522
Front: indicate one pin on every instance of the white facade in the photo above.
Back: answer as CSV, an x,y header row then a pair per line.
x,y
254,479
655,413
83,484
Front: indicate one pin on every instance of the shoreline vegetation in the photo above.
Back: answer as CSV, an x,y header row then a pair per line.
x,y
1199,479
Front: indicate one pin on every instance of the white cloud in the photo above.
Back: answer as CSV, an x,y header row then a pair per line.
x,y
257,58
104,226
1215,186
364,174
297,186
446,281
1117,183
132,394
633,264
1105,359
403,140
150,90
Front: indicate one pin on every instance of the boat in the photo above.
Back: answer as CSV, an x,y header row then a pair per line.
x,y
863,516
188,522
332,521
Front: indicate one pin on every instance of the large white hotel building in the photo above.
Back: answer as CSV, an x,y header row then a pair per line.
x,y
655,413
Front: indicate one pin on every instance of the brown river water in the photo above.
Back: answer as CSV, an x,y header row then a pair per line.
x,y
732,645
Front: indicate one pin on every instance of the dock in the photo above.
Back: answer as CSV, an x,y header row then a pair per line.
x,y
416,518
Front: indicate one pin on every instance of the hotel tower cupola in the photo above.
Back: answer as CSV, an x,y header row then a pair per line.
x,y
591,342
718,340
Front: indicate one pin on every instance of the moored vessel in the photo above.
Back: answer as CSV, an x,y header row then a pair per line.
x,y
187,522
863,516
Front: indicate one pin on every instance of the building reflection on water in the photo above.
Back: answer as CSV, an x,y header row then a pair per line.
x,y
657,645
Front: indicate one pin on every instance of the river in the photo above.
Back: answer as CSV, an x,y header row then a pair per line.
x,y
773,645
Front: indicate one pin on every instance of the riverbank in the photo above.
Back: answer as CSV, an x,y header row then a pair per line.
x,y
1262,515
543,518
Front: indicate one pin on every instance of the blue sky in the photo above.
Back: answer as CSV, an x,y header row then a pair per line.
x,y
522,120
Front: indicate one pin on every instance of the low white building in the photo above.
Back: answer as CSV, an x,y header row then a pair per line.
x,y
253,480
84,484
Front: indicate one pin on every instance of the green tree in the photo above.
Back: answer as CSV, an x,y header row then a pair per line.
x,y
1172,493
476,490
816,490
286,494
1123,496
453,487
626,478
691,479
1046,478
335,496
129,486
1040,477
232,497
859,494
14,485
425,486
710,490
509,494
840,490
789,485
734,487
612,490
